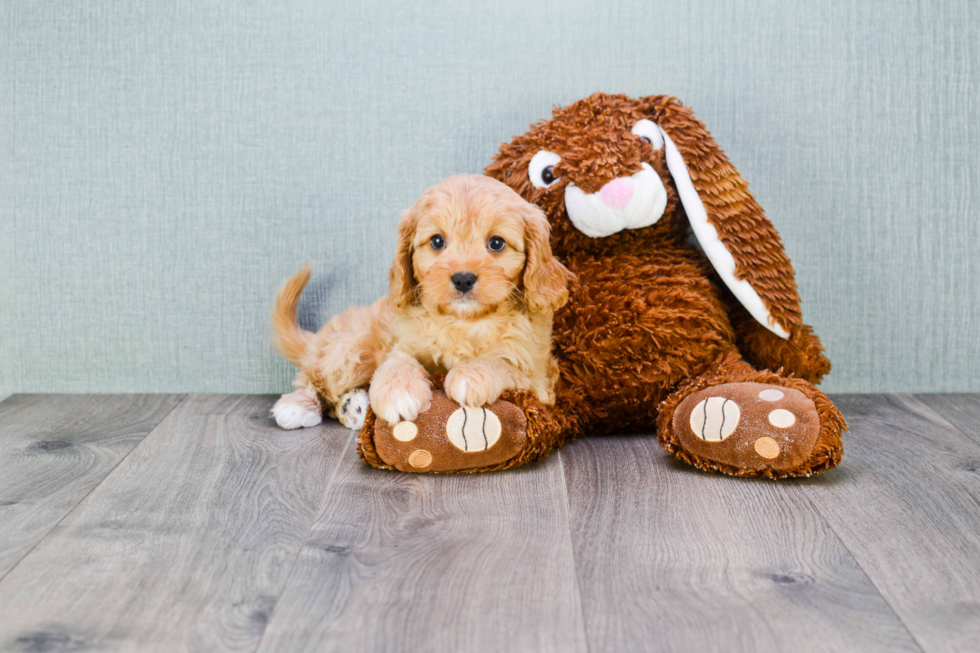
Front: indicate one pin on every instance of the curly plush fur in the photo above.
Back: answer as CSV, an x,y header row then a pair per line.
x,y
649,318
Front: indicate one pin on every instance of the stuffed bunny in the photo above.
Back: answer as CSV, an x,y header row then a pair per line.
x,y
702,343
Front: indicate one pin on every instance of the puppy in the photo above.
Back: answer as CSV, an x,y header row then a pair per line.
x,y
474,287
335,364
473,290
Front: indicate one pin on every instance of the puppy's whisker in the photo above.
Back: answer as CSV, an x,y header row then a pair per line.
x,y
415,294
517,295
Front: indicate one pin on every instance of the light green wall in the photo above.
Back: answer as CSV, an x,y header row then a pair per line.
x,y
165,166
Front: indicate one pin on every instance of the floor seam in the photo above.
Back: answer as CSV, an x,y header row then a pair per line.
x,y
302,546
916,399
96,486
571,544
814,505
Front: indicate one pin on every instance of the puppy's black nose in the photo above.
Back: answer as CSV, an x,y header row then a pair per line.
x,y
464,281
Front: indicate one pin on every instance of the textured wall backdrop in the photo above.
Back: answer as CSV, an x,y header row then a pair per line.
x,y
165,166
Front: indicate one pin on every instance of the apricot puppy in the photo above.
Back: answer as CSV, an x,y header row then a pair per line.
x,y
474,287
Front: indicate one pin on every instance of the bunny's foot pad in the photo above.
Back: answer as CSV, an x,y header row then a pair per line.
x,y
749,429
450,438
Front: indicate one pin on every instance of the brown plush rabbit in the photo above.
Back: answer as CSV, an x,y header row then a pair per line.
x,y
705,345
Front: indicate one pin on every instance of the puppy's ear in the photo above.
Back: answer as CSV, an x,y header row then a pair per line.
x,y
402,276
545,279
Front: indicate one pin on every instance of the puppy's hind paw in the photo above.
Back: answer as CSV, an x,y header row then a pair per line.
x,y
352,409
295,410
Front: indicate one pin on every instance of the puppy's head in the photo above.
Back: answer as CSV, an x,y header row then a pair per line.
x,y
471,245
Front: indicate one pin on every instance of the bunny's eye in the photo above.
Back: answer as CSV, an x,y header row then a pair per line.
x,y
648,131
437,242
541,170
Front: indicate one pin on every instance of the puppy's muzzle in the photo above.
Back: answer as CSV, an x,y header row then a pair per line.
x,y
464,281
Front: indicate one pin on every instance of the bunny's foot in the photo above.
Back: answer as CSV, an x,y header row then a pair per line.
x,y
765,426
447,438
514,430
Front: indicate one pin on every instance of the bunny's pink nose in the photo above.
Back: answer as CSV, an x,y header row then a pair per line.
x,y
617,193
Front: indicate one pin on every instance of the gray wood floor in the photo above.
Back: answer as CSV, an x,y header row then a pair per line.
x,y
166,522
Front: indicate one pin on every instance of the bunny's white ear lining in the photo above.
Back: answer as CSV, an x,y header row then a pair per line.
x,y
714,249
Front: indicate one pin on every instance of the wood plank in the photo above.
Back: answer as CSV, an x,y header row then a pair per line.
x,y
401,562
186,545
54,449
906,503
960,410
671,558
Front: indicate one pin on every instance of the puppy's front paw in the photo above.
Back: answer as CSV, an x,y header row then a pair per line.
x,y
401,405
471,385
400,397
352,409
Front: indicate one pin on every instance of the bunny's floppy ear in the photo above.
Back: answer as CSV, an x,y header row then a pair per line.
x,y
734,233
402,276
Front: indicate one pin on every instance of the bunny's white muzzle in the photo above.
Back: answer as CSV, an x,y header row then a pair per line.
x,y
623,203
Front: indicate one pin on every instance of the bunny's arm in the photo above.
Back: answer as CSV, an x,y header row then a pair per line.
x,y
801,354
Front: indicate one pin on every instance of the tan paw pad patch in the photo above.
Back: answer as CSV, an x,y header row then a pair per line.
x,y
420,459
767,448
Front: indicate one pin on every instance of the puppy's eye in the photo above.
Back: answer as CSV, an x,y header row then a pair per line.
x,y
496,244
437,242
541,169
648,131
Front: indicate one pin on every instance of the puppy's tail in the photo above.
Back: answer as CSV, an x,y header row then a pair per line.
x,y
291,339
